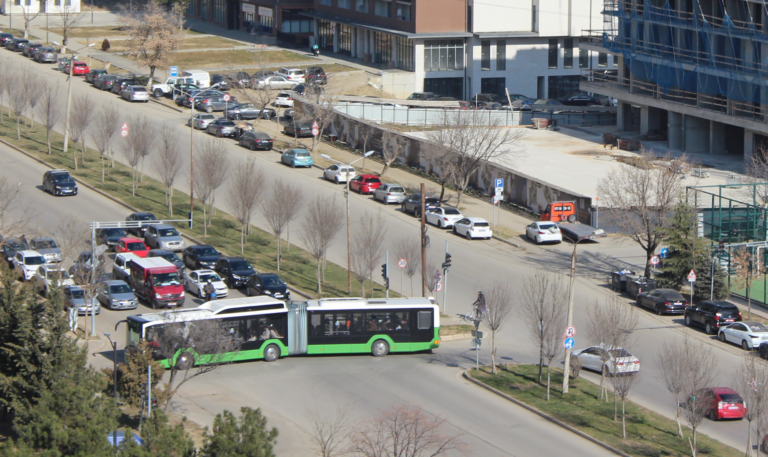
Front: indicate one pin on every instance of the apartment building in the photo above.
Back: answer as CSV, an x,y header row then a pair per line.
x,y
690,71
267,18
30,8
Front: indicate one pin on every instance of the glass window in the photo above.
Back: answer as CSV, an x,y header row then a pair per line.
x,y
442,55
382,8
501,55
345,39
568,53
404,11
343,4
191,8
563,86
361,5
219,10
425,320
583,58
382,47
535,16
602,59
324,35
485,55
553,53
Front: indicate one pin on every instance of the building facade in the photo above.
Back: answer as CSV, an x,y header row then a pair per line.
x,y
267,18
690,71
30,7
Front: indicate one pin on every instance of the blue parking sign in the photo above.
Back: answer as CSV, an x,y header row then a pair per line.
x,y
174,71
499,182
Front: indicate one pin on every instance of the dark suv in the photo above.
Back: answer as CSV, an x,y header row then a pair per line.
x,y
198,257
712,315
315,75
267,284
234,271
121,83
59,182
413,204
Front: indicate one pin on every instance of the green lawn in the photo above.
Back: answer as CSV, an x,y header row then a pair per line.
x,y
648,434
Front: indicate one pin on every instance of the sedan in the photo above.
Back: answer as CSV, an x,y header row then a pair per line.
x,y
16,44
200,121
413,204
29,49
79,69
390,193
339,173
663,301
748,334
116,294
298,129
256,140
48,276
616,360
44,54
195,281
581,100
132,245
273,82
267,284
91,75
443,217
364,184
220,128
249,111
473,227
74,297
135,93
543,232
284,99
104,82
297,158
213,103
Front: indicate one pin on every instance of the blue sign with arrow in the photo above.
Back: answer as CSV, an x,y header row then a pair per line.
x,y
664,253
568,343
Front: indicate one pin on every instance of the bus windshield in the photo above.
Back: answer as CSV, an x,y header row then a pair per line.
x,y
165,279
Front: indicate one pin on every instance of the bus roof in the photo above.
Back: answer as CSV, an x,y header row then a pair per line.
x,y
213,309
360,303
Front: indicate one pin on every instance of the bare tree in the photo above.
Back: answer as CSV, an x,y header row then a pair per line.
x,y
6,70
498,302
320,227
248,183
673,374
330,432
80,120
168,161
153,35
752,383
440,161
320,109
35,89
544,310
367,244
700,367
280,208
649,194
29,15
18,95
622,386
756,174
211,174
69,16
431,280
748,271
138,143
409,248
105,129
50,111
405,431
391,149
16,213
365,133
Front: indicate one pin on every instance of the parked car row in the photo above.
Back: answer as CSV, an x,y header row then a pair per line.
x,y
517,102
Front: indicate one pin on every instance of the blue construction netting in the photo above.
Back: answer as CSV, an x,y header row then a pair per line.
x,y
691,51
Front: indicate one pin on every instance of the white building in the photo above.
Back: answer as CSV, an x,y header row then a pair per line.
x,y
30,8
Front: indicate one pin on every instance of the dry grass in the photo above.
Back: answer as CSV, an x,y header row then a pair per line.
x,y
234,58
198,42
103,31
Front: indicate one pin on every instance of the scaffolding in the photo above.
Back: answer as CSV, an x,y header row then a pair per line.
x,y
723,216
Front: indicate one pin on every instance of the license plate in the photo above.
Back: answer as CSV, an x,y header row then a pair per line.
x,y
172,304
733,407
677,303
729,320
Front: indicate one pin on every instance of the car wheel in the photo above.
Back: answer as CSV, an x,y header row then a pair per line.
x,y
158,93
745,345
417,212
271,353
238,117
218,134
208,109
185,361
708,328
469,237
711,415
293,164
659,311
253,146
440,224
337,180
721,337
247,291
538,240
688,321
380,348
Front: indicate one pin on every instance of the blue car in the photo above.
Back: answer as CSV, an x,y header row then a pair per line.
x,y
297,158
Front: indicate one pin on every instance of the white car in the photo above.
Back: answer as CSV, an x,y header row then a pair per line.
x,y
120,268
294,75
45,275
195,281
620,360
749,335
284,99
390,193
200,121
25,264
443,217
339,173
543,232
135,93
473,227
274,82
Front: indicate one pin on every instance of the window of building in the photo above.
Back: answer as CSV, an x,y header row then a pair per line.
x,y
382,8
485,55
191,10
324,34
404,11
405,53
205,8
266,23
583,58
493,86
443,55
345,39
568,53
445,87
325,2
295,23
219,10
361,5
501,55
562,86
553,53
602,59
343,4
382,47
535,16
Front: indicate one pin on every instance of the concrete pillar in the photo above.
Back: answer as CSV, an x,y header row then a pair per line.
x,y
335,37
675,130
716,137
620,115
749,145
316,35
696,132
353,45
644,110
394,51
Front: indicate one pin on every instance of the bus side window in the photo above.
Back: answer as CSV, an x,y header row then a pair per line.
x,y
358,323
425,320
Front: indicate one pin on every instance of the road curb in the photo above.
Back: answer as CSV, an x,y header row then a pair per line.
x,y
469,378
165,105
506,241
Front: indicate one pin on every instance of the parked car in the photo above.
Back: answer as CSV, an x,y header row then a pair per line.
x,y
262,73
25,264
200,121
197,95
581,100
240,79
169,256
720,403
200,256
48,276
121,83
110,236
473,227
712,315
143,220
10,246
220,128
274,82
490,99
120,267
442,217
315,75
339,173
180,91
234,270
545,102
195,281
523,104
295,75
422,96
749,335
104,82
284,99
45,54
267,284
78,68
74,297
59,182
390,193
222,82
544,232
116,294
211,103
412,204
15,44
298,129
160,89
133,245
46,247
297,158
618,360
249,111
135,93
364,184
256,140
92,74
663,301
4,37
30,48
163,236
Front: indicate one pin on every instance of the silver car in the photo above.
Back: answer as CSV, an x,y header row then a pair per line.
x,y
74,297
163,236
390,193
45,54
116,295
274,82
47,247
201,120
135,93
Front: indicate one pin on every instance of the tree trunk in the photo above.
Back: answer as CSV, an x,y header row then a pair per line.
x,y
18,132
47,140
242,239
278,250
151,76
205,226
623,420
677,417
749,439
442,195
602,383
548,373
102,169
493,351
133,179
749,304
319,284
615,407
288,238
541,361
74,155
460,197
384,170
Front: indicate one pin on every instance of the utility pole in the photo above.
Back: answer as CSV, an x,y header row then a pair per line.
x,y
446,267
567,367
423,231
192,161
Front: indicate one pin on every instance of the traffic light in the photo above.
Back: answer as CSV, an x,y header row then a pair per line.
x,y
447,263
384,272
143,390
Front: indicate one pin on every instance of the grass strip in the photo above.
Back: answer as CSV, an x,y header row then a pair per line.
x,y
231,58
649,434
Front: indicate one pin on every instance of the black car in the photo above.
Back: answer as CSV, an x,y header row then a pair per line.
x,y
234,271
140,217
422,96
198,257
413,204
104,82
249,111
315,75
91,75
122,83
239,79
169,256
712,315
256,140
9,247
223,82
581,100
30,48
110,236
298,129
663,301
4,37
267,284
59,182
16,44
490,99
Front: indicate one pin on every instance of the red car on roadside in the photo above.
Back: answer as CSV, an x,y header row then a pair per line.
x,y
132,245
721,403
80,69
364,184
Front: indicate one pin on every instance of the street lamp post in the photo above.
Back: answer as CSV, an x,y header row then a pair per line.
x,y
567,367
114,379
346,192
69,93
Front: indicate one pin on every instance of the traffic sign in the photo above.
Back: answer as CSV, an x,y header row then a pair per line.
x,y
496,199
438,275
226,97
655,260
124,133
476,343
402,263
570,331
174,71
499,191
664,253
499,182
125,126
315,132
692,276
315,126
568,343
438,286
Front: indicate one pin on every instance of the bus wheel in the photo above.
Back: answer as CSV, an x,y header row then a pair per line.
x,y
380,348
185,361
271,353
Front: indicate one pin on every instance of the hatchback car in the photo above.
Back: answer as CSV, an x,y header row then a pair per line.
x,y
297,158
413,204
59,182
10,246
30,48
249,111
78,69
163,236
473,227
720,403
443,217
267,284
220,128
91,75
211,103
4,37
617,361
74,297
200,121
663,301
256,140
234,270
295,75
284,99
195,281
712,315
749,335
544,232
116,294
142,220
132,245
298,129
121,83
339,173
135,94
16,44
315,75
45,55
390,193
200,256
364,184
104,82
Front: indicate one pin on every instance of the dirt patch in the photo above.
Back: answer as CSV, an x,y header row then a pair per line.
x,y
355,84
590,152
195,42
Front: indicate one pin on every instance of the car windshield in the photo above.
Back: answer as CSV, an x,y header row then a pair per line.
x,y
227,123
113,232
120,289
207,116
452,212
261,136
167,232
77,294
34,260
481,224
136,246
15,245
138,89
272,281
731,398
206,251
171,257
165,279
145,217
44,244
62,178
616,353
758,327
547,226
302,154
212,277
398,190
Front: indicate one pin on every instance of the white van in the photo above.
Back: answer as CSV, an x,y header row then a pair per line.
x,y
202,78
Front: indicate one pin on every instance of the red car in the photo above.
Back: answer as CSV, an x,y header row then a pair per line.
x,y
132,245
364,184
722,402
80,69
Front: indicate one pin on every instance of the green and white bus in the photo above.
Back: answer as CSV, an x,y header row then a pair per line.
x,y
267,328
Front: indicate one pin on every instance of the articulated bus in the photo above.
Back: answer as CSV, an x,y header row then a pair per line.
x,y
267,328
